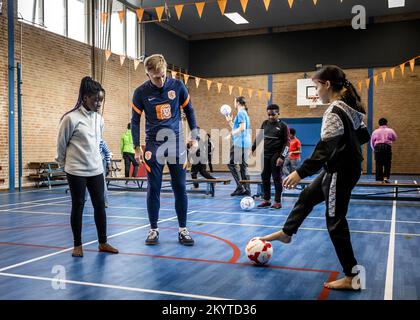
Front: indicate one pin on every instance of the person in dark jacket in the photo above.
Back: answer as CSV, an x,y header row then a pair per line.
x,y
339,155
276,141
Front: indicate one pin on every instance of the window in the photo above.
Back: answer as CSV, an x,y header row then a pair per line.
x,y
131,34
77,20
30,11
117,29
55,16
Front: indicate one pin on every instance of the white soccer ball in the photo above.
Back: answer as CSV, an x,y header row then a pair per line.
x,y
225,110
247,203
259,251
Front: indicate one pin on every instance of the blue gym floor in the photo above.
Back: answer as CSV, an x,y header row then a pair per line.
x,y
36,242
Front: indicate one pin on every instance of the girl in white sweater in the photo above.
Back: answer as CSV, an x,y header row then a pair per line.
x,y
78,151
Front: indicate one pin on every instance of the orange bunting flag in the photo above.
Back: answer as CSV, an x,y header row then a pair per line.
x,y
240,89
268,95
367,83
383,76
107,54
173,74
197,81
121,15
186,77
375,80
402,67
104,16
244,3
219,87
392,71
290,3
315,2
359,85
136,63
159,12
122,59
209,84
266,4
230,89
259,94
412,63
200,8
250,93
222,5
139,13
178,9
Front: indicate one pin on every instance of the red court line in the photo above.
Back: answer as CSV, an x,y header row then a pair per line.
x,y
325,291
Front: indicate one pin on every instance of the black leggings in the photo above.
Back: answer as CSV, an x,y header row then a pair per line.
x,y
335,189
95,186
129,159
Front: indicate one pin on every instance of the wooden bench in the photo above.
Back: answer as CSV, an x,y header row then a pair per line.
x,y
138,181
47,173
393,194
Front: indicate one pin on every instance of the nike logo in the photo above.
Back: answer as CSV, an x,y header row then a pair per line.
x,y
151,99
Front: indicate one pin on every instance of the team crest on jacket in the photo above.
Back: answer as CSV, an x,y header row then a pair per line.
x,y
148,155
171,94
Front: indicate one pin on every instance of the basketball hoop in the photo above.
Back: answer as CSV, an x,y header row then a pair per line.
x,y
314,101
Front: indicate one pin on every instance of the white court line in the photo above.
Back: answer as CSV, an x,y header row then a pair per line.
x,y
389,280
31,191
116,207
109,286
85,244
33,206
34,201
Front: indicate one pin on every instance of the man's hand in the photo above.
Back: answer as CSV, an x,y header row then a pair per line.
x,y
228,118
138,156
292,180
279,162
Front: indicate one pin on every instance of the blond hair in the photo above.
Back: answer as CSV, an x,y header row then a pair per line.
x,y
155,62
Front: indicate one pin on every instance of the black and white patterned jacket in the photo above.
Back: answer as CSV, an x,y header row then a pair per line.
x,y
343,133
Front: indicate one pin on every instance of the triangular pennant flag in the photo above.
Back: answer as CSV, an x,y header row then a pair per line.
x,y
250,91
178,9
122,59
392,71
244,3
139,13
121,15
107,54
383,76
136,63
367,83
315,1
375,80
209,84
159,12
200,8
230,89
222,5
197,81
219,87
104,16
240,89
259,94
186,77
402,67
359,85
412,63
268,95
173,74
266,4
290,3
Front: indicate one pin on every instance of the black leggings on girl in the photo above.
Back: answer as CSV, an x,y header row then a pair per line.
x,y
95,186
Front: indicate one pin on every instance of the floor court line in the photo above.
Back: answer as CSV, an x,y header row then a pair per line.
x,y
109,286
389,280
85,244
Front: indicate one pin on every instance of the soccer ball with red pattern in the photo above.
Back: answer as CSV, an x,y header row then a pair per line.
x,y
259,251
